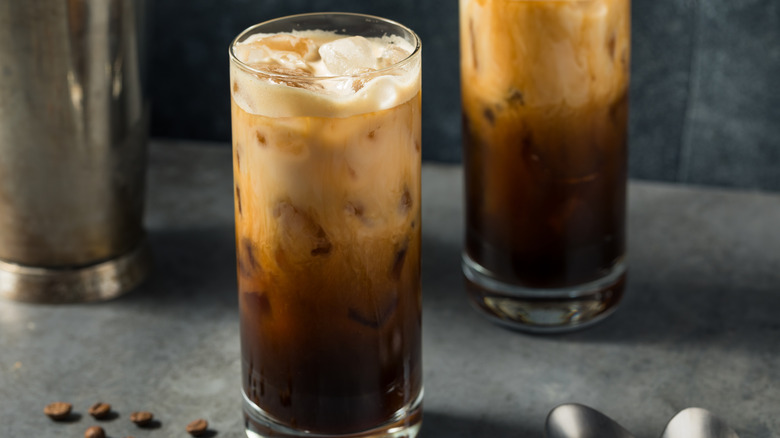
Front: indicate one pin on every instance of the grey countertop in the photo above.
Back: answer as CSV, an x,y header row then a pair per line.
x,y
699,325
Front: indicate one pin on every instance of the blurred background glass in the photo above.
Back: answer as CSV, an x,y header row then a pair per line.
x,y
703,109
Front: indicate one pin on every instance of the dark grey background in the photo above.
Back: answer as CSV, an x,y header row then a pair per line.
x,y
704,102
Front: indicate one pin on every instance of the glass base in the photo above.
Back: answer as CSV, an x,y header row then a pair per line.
x,y
405,423
544,310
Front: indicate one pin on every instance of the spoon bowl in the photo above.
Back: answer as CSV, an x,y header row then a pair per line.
x,y
572,420
697,423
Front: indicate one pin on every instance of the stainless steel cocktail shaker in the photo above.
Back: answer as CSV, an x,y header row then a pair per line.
x,y
73,134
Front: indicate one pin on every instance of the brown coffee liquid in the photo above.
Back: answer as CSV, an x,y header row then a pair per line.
x,y
328,366
546,194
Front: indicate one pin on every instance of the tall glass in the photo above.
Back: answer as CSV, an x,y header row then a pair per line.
x,y
326,142
545,108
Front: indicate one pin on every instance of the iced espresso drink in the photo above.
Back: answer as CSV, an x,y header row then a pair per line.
x,y
545,105
326,143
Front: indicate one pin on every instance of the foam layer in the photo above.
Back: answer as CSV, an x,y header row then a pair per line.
x,y
322,74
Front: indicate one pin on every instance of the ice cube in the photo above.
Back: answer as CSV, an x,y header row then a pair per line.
x,y
289,137
283,50
285,395
304,47
392,55
238,200
398,261
405,204
273,47
374,312
490,116
257,303
515,97
292,77
248,265
302,230
356,210
348,56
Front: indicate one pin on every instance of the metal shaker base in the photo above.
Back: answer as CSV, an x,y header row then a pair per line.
x,y
97,282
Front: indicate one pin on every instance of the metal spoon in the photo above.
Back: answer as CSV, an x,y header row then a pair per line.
x,y
697,423
572,420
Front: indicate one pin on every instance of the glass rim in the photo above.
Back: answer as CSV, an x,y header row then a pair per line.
x,y
251,29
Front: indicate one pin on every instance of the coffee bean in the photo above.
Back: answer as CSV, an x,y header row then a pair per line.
x,y
197,427
95,432
100,410
141,418
58,410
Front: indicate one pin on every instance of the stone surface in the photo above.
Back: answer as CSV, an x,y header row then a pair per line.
x,y
703,105
662,44
733,125
698,326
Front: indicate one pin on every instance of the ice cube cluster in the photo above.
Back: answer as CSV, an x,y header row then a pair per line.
x,y
318,73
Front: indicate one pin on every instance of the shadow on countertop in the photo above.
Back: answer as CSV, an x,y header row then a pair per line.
x,y
444,425
191,268
679,304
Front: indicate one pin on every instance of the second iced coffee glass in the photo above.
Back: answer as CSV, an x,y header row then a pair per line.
x,y
545,107
326,161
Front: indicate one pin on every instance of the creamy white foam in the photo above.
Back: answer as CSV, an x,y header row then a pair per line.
x,y
322,74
